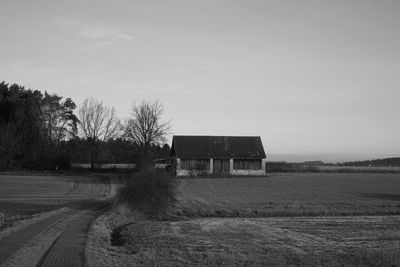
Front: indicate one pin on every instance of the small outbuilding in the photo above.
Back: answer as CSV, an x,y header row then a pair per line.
x,y
218,155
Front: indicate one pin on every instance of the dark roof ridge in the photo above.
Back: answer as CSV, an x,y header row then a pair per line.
x,y
204,146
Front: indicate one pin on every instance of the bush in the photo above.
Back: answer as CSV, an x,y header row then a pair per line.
x,y
149,192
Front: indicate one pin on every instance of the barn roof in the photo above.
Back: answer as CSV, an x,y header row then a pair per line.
x,y
191,147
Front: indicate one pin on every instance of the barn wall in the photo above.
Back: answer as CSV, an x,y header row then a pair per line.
x,y
183,172
221,166
195,164
182,169
254,167
192,167
248,172
247,164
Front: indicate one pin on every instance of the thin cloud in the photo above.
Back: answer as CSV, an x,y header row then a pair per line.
x,y
18,67
102,43
163,90
65,21
217,66
97,33
123,36
346,92
103,36
104,33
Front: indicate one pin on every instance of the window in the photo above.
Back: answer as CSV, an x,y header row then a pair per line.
x,y
195,164
247,164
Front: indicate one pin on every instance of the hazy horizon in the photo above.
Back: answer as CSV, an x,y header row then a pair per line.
x,y
326,157
309,77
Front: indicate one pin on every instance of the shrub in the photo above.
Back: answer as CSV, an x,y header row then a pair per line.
x,y
149,192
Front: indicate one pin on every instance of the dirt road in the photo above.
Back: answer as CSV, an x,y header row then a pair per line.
x,y
67,248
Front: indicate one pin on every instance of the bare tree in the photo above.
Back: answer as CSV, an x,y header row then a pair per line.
x,y
145,128
98,122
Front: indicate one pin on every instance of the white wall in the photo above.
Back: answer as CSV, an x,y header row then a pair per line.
x,y
248,172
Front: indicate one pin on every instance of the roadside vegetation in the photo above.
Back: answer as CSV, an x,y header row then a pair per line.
x,y
143,198
149,192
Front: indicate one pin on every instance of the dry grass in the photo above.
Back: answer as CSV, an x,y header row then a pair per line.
x,y
22,223
14,186
23,196
99,249
297,194
150,192
322,241
251,237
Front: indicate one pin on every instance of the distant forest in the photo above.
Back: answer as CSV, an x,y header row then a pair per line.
x,y
42,131
387,162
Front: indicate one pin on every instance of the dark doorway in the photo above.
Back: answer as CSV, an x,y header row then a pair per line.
x,y
221,166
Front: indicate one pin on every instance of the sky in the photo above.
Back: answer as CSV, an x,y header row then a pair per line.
x,y
309,77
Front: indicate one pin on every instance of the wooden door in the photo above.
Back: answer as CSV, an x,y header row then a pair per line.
x,y
221,166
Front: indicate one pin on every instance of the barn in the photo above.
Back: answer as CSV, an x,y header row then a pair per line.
x,y
218,155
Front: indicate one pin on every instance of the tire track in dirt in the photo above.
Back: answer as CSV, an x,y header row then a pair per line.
x,y
69,248
70,241
12,242
69,245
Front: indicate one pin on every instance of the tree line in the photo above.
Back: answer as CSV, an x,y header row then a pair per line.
x,y
42,131
386,162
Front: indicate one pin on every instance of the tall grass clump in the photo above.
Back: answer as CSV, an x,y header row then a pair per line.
x,y
2,218
148,192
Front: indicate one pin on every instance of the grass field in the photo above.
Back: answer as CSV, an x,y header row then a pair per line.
x,y
292,194
22,196
289,219
305,241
